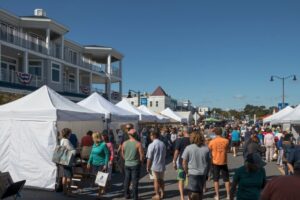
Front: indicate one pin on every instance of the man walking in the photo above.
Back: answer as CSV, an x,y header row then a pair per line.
x,y
180,145
133,154
218,148
156,161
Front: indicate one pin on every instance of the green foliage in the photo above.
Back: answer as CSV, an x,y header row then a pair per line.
x,y
249,110
8,97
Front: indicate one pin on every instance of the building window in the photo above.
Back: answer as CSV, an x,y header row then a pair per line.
x,y
132,103
156,103
35,68
150,103
55,72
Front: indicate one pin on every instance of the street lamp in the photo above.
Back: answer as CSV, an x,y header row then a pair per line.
x,y
283,79
138,93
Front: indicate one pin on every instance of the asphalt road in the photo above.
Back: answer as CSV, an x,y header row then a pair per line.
x,y
146,190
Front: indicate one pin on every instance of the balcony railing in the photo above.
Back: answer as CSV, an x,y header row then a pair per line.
x,y
11,76
23,40
28,42
115,70
70,87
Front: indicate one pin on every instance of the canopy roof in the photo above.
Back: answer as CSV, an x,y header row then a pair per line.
x,y
160,118
171,114
275,117
99,104
143,116
291,117
186,115
45,104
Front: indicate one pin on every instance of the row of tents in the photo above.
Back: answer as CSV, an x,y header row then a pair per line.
x,y
29,128
288,115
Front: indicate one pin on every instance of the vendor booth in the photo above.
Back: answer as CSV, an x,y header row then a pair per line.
x,y
28,134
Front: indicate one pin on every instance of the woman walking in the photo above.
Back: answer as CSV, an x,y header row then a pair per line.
x,y
196,162
99,157
110,147
67,170
250,179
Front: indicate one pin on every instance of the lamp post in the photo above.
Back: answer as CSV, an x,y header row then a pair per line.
x,y
283,79
138,93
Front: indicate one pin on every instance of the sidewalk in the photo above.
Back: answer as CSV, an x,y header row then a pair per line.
x,y
146,190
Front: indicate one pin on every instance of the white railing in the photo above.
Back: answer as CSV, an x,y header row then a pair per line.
x,y
70,87
23,39
10,76
26,41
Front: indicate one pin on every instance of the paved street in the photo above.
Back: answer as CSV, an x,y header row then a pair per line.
x,y
146,187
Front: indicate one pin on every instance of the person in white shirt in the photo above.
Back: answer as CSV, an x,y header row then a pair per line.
x,y
67,170
269,142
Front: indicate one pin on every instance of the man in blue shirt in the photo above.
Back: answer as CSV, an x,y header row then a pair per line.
x,y
235,140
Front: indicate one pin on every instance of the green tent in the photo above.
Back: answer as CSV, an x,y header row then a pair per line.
x,y
212,120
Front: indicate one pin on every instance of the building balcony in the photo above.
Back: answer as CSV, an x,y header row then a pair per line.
x,y
23,40
23,81
28,42
19,78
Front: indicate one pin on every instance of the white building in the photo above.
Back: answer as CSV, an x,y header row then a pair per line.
x,y
157,101
203,110
35,52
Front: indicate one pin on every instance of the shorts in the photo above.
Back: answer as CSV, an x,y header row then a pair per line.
x,y
235,143
67,172
196,183
181,175
158,175
223,169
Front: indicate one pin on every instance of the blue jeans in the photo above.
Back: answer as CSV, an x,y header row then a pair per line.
x,y
132,174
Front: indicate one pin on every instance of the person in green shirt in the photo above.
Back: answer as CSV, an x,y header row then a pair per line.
x,y
99,157
250,179
133,155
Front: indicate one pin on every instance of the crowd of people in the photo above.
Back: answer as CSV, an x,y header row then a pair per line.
x,y
197,155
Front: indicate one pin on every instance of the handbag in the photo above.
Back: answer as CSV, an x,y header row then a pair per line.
x,y
63,156
101,178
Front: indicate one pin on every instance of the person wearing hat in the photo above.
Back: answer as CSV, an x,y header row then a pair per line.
x,y
250,179
283,187
133,154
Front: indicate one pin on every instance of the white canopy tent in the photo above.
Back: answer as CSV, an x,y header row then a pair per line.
x,y
273,119
28,134
292,117
186,116
99,104
160,118
171,114
143,116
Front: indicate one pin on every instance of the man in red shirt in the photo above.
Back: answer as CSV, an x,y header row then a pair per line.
x,y
283,187
86,145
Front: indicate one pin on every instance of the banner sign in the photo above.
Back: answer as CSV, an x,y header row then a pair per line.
x,y
24,77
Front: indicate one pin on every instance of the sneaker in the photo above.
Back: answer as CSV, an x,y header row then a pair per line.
x,y
216,198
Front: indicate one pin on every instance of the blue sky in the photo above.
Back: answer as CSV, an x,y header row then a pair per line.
x,y
215,53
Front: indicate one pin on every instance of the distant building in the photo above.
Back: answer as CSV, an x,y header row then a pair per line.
x,y
203,110
157,101
185,105
35,52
